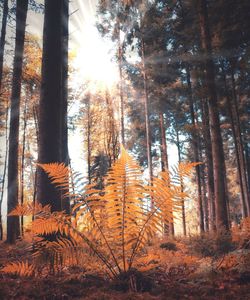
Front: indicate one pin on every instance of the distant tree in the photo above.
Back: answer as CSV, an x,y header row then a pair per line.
x,y
2,39
13,229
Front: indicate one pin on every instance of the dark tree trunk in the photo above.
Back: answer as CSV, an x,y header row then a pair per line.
x,y
88,139
52,143
247,152
232,120
184,225
64,114
147,122
13,229
22,159
164,164
216,139
209,164
4,170
164,150
195,147
239,143
2,40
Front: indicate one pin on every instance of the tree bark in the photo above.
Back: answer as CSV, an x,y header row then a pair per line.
x,y
147,122
22,160
52,143
121,87
64,115
184,225
195,146
209,164
13,229
216,139
164,150
2,39
239,143
164,164
233,121
4,170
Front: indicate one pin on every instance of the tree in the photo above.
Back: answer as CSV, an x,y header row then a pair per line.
x,y
216,139
2,39
13,222
52,144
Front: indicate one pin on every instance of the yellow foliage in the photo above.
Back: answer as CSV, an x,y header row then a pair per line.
x,y
241,233
114,223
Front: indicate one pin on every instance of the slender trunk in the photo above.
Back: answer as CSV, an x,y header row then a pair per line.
x,y
2,39
209,164
22,159
217,145
164,151
238,132
88,139
64,105
4,170
147,122
13,229
204,199
121,87
232,121
164,163
35,117
184,225
247,152
195,146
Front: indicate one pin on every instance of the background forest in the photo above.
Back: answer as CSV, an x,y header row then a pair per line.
x,y
169,88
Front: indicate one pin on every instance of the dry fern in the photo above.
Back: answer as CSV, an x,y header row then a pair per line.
x,y
19,268
114,223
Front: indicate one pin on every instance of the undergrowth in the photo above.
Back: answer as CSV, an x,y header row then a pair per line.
x,y
109,229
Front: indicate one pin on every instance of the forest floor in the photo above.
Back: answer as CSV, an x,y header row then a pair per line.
x,y
224,277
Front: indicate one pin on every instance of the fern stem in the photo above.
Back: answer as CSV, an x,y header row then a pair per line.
x,y
92,247
141,233
103,235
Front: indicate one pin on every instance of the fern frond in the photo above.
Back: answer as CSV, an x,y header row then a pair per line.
x,y
185,169
28,209
19,268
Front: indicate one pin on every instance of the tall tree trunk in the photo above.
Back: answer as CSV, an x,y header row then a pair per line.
x,y
22,159
184,225
209,164
147,122
164,151
164,164
13,229
2,39
195,147
52,144
216,139
4,170
121,87
64,115
239,142
232,120
88,139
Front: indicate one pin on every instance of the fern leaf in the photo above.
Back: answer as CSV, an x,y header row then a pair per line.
x,y
28,209
19,268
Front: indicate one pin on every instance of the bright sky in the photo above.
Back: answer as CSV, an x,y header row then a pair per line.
x,y
93,57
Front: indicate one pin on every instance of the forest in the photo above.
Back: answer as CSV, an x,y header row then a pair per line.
x,y
125,149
